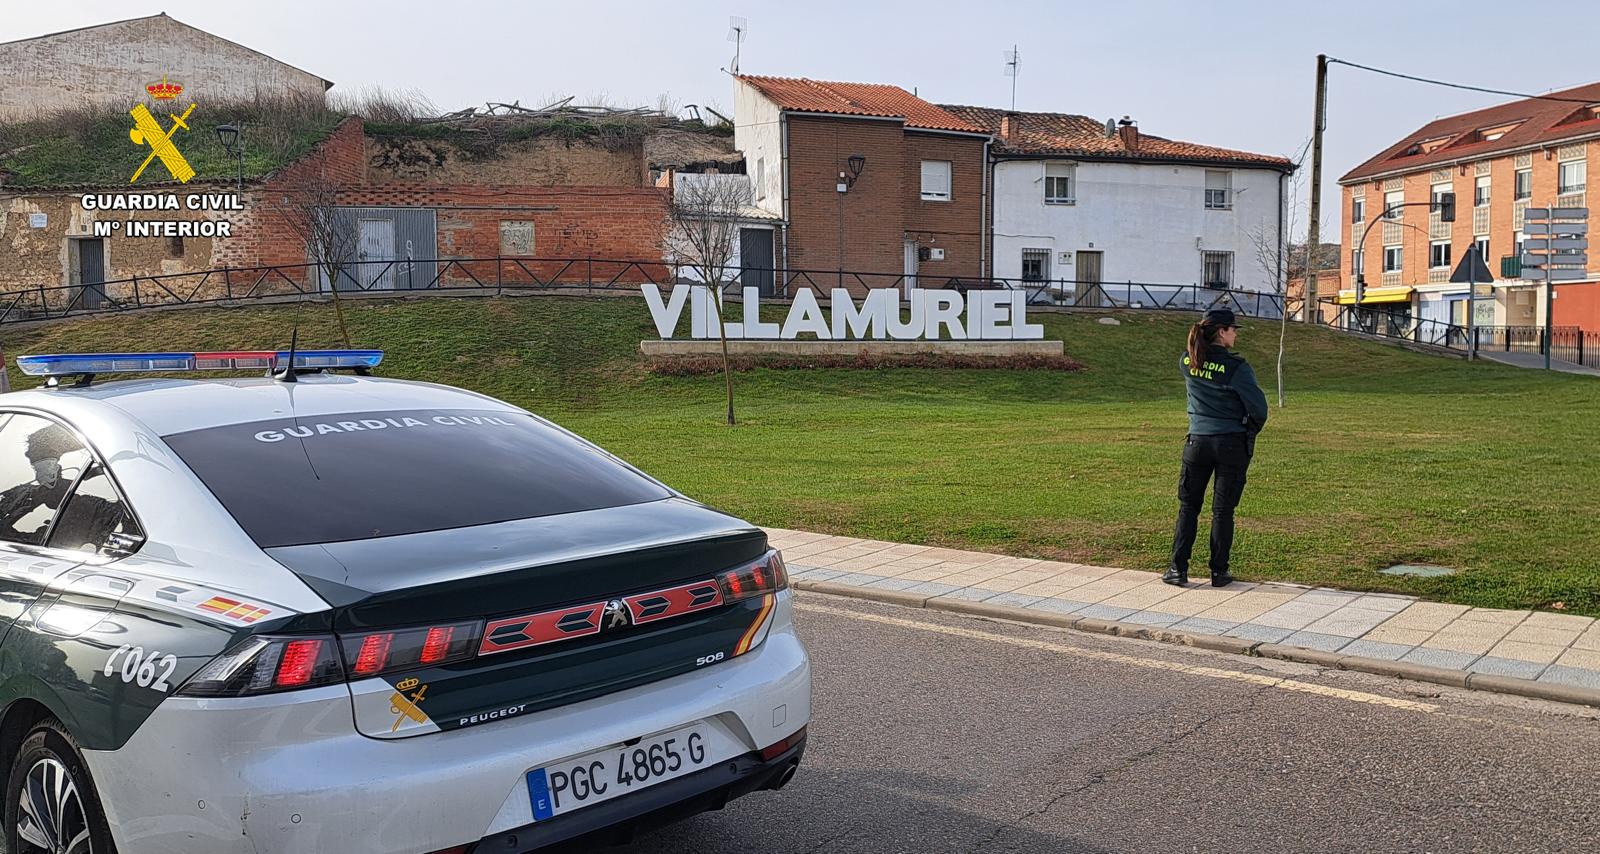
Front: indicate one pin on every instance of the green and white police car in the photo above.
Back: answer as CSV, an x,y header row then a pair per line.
x,y
320,612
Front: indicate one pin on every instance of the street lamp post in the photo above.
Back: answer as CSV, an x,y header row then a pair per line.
x,y
232,139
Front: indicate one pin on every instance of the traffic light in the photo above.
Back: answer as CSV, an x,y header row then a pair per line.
x,y
1447,207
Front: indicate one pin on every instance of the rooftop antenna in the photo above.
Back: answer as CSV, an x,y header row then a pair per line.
x,y
1013,59
287,374
738,28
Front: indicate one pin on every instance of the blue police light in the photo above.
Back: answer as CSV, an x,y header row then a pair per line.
x,y
77,364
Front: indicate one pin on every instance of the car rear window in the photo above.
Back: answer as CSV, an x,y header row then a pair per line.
x,y
353,476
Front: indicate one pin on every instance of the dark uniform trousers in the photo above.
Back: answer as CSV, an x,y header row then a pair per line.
x,y
1227,456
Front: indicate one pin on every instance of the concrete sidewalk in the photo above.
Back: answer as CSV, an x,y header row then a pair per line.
x,y
1527,652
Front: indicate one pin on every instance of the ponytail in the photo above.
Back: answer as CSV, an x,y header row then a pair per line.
x,y
1201,336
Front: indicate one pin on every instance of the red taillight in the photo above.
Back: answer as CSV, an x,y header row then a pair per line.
x,y
374,654
436,646
299,663
776,749
392,650
759,577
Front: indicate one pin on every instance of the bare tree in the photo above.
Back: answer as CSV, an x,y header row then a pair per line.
x,y
1282,263
704,234
308,208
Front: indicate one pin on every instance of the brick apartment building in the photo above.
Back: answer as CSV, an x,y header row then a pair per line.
x,y
912,197
1498,161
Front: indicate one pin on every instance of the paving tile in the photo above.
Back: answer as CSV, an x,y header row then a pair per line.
x,y
1316,640
1537,652
1495,615
834,557
1049,587
1530,633
822,574
1590,639
1476,638
1246,606
1337,598
1384,602
1396,636
1016,600
874,564
913,564
904,550
1585,658
1496,666
1143,596
858,579
1569,622
1111,585
1445,658
998,585
1203,626
1295,614
1058,605
1579,676
1427,615
1192,600
1078,570
926,573
894,583
1104,612
961,555
1349,621
932,588
971,594
1377,649
1251,631
1152,618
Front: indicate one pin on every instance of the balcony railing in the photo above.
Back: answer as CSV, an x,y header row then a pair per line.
x,y
1510,267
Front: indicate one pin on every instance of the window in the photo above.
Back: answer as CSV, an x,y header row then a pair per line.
x,y
1392,202
1439,254
1436,196
761,178
516,237
1219,190
936,180
1516,243
1035,265
1218,270
95,519
1393,256
1357,262
175,247
1358,210
1060,183
1480,192
39,461
1483,248
361,475
1524,184
1572,176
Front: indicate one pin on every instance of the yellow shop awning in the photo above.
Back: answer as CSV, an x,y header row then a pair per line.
x,y
1401,293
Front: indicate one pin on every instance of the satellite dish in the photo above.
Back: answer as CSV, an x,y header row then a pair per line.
x,y
1111,128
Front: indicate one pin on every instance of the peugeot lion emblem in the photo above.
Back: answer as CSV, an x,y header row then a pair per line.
x,y
616,614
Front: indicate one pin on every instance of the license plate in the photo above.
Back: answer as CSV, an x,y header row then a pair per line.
x,y
606,774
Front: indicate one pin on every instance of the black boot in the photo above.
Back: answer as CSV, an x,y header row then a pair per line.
x,y
1176,576
1221,579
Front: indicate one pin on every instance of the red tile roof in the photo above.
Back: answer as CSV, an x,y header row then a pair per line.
x,y
1452,138
857,99
1066,134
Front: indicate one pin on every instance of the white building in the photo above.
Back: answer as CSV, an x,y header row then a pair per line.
x,y
1086,202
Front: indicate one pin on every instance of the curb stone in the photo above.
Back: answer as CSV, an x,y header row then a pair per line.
x,y
1512,685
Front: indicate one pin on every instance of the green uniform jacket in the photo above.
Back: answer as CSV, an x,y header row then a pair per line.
x,y
1223,394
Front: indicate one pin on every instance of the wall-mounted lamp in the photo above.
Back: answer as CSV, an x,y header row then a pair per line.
x,y
230,137
856,163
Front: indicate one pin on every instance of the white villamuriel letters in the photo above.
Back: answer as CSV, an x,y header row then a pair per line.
x,y
997,315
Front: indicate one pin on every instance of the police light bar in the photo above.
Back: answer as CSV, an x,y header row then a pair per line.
x,y
77,364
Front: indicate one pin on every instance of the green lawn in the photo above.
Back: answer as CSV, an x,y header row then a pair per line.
x,y
1382,455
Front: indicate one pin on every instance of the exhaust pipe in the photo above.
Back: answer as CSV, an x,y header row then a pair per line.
x,y
784,778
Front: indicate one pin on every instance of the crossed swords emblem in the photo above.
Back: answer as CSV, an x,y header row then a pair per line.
x,y
147,131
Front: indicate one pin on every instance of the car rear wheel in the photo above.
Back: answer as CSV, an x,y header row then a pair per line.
x,y
51,806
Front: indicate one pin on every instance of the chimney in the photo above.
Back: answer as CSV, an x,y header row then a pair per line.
x,y
1008,126
1129,131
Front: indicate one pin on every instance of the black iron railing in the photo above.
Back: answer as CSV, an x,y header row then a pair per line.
x,y
1566,343
503,275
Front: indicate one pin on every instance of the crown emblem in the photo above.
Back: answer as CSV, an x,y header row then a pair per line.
x,y
164,91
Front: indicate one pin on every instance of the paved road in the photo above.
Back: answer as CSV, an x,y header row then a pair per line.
x,y
943,733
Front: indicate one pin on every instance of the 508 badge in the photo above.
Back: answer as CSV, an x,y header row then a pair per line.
x,y
703,660
146,671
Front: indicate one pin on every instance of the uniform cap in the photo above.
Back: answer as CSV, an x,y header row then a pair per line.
x,y
1220,317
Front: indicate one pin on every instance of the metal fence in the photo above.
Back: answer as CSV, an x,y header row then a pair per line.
x,y
501,275
1567,343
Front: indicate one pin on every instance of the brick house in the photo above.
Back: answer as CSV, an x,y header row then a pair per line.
x,y
864,177
1498,162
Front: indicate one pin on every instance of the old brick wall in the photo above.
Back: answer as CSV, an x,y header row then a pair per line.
x,y
543,161
113,63
873,212
955,225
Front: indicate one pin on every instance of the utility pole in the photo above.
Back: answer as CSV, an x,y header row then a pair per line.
x,y
1314,231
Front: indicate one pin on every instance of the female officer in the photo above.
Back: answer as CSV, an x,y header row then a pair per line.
x,y
1226,411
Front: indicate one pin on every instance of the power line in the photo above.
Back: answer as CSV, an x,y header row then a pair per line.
x,y
1461,85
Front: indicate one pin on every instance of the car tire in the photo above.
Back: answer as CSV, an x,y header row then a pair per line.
x,y
50,769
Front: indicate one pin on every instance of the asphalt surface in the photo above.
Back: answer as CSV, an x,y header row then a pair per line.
x,y
945,733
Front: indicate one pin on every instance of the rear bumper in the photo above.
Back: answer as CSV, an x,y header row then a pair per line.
x,y
615,822
289,773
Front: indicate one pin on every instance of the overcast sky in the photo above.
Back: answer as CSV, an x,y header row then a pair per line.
x,y
1235,74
